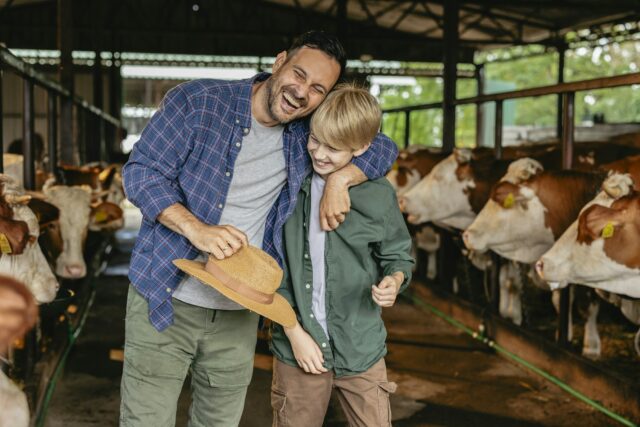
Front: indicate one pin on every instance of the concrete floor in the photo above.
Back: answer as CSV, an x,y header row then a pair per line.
x,y
444,377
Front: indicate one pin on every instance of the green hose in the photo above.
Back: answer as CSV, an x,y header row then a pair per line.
x,y
73,336
480,337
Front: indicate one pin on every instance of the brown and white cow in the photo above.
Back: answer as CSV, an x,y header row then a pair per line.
x,y
77,215
29,267
601,249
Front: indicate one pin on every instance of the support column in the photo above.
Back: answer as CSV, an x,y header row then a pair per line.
x,y
407,128
568,117
52,132
65,40
562,49
496,261
479,75
450,60
28,149
1,124
342,23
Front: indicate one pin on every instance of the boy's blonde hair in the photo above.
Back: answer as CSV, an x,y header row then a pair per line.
x,y
349,118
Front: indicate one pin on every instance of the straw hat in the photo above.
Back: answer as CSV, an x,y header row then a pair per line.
x,y
250,277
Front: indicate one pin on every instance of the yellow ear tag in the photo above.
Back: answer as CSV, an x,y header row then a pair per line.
x,y
100,216
394,166
509,201
5,246
608,230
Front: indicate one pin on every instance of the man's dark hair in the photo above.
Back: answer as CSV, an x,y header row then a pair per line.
x,y
326,42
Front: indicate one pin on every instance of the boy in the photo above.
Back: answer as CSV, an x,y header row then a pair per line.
x,y
330,280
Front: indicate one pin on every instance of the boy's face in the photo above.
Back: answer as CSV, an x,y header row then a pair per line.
x,y
327,159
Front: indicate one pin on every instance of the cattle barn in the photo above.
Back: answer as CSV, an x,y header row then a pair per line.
x,y
139,132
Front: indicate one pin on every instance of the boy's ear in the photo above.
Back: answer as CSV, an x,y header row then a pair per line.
x,y
280,60
362,150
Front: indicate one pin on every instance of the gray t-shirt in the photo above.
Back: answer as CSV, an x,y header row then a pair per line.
x,y
258,176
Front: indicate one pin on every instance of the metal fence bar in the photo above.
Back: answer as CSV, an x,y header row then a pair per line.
x,y
1,122
407,128
28,133
568,115
52,131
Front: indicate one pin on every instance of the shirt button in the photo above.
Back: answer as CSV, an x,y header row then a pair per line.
x,y
246,131
324,345
307,286
238,144
306,256
228,173
169,290
311,315
237,121
220,205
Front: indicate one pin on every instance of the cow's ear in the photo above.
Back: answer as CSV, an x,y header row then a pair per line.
x,y
598,221
462,155
618,185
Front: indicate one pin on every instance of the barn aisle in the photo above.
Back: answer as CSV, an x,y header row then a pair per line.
x,y
444,377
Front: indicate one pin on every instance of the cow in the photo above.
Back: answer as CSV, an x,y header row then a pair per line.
x,y
601,249
78,213
411,167
29,267
527,212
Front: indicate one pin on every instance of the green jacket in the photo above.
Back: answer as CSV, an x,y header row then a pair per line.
x,y
371,243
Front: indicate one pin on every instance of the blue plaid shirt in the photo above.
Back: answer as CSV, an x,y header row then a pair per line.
x,y
186,155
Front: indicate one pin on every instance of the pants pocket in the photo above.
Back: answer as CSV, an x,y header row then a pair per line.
x,y
385,388
279,405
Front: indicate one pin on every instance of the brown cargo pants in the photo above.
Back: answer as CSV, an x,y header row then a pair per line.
x,y
301,399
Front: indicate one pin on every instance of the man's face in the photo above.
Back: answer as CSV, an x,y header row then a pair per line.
x,y
300,83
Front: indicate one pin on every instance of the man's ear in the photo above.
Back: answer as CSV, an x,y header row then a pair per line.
x,y
280,60
362,150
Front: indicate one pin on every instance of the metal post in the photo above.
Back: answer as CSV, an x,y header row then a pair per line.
x,y
450,60
65,40
52,131
497,147
479,73
115,90
496,261
1,125
341,14
562,48
407,128
28,120
568,115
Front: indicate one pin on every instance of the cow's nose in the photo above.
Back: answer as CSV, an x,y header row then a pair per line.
x,y
402,202
75,270
465,238
540,268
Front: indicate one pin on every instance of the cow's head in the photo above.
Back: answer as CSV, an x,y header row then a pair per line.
x,y
74,204
30,267
442,194
512,222
602,247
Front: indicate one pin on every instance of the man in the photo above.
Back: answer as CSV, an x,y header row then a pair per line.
x,y
218,167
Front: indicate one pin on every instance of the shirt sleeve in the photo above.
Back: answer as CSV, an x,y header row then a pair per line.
x,y
150,175
393,252
286,287
378,159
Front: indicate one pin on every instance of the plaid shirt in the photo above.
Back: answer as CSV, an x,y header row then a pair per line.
x,y
186,155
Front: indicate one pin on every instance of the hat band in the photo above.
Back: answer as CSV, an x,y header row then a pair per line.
x,y
238,286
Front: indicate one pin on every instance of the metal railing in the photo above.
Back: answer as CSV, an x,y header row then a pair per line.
x,y
97,130
567,93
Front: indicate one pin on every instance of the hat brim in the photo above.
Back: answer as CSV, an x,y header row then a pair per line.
x,y
279,310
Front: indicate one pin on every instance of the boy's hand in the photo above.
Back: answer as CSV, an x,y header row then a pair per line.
x,y
335,203
385,293
305,350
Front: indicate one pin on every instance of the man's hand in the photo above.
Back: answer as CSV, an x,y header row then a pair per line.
x,y
305,350
220,240
335,203
385,293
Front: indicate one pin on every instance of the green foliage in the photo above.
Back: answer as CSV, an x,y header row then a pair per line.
x,y
619,105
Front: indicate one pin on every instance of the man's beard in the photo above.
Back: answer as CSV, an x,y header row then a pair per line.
x,y
271,101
